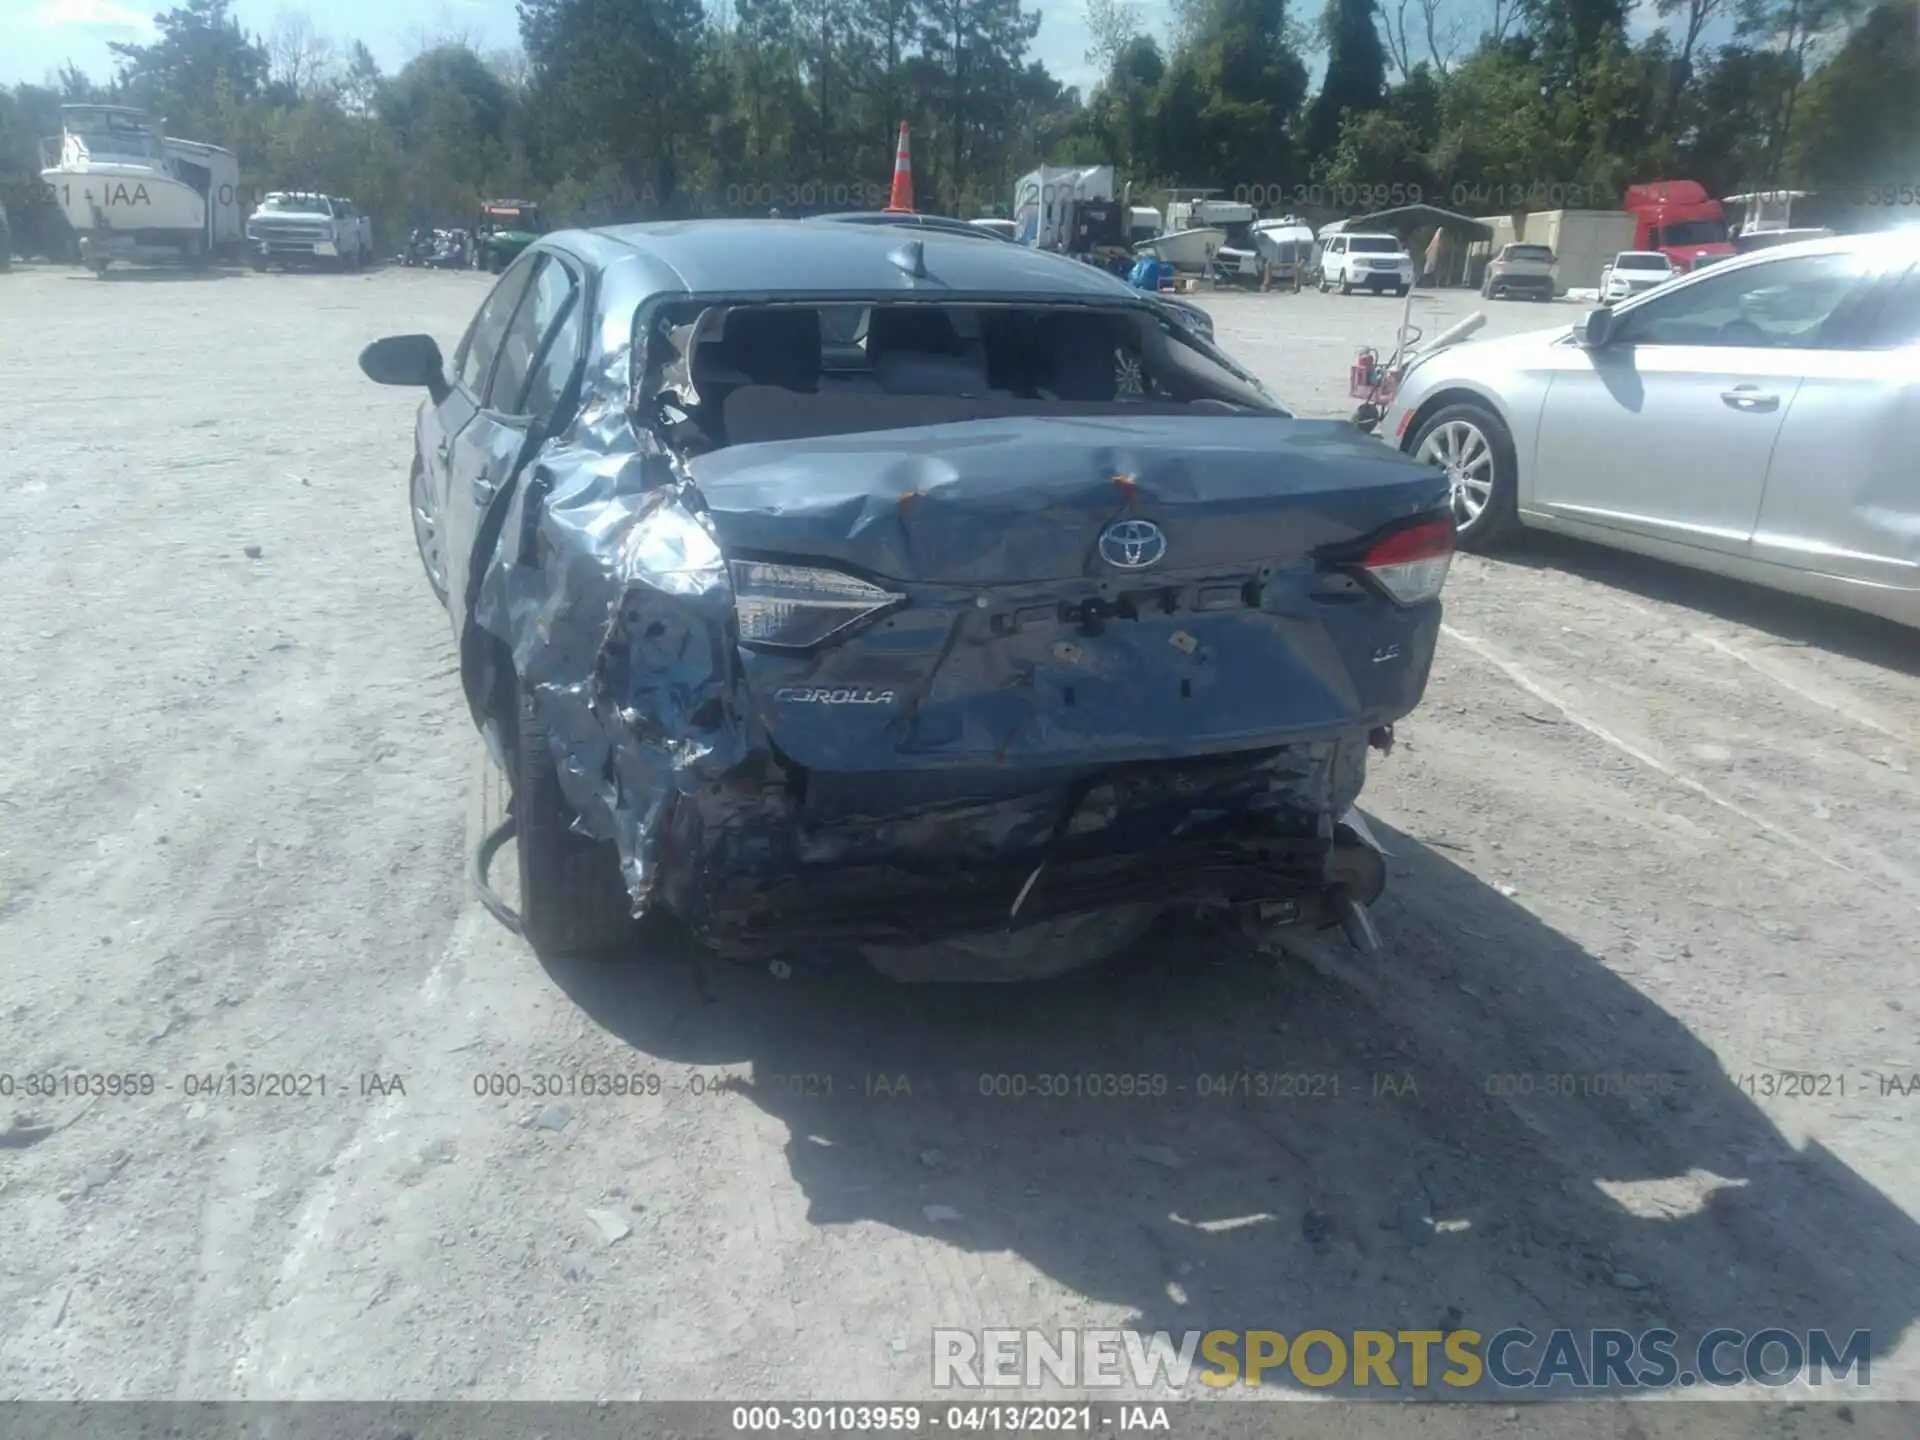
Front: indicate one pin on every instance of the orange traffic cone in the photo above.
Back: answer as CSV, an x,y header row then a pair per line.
x,y
901,202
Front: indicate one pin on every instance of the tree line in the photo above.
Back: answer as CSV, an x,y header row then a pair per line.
x,y
629,109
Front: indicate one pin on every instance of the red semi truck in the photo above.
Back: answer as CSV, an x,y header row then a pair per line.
x,y
1679,219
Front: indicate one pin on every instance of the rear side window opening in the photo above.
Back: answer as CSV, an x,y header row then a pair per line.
x,y
749,373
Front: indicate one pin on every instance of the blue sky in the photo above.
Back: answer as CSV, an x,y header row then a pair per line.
x,y
41,35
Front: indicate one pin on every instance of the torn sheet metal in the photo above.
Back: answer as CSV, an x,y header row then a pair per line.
x,y
1193,728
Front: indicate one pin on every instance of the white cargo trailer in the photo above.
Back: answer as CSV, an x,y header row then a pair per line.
x,y
1583,242
1045,201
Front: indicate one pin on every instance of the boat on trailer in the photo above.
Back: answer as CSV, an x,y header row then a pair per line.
x,y
131,193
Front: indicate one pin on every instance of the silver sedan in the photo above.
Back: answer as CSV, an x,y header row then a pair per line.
x,y
1760,419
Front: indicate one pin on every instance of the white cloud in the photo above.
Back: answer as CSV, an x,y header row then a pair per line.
x,y
92,15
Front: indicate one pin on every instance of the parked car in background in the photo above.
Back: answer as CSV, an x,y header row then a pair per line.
x,y
1366,262
302,228
1525,271
737,676
1753,418
1633,271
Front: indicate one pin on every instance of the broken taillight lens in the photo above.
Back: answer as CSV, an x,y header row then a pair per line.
x,y
795,607
1411,564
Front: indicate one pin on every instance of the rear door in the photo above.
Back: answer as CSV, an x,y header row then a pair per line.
x,y
443,424
543,290
1669,430
1843,493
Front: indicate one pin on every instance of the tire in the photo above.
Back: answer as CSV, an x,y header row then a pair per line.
x,y
1451,427
427,535
572,896
1346,285
1400,291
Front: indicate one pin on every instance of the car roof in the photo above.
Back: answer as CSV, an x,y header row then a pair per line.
x,y
1367,235
947,224
818,256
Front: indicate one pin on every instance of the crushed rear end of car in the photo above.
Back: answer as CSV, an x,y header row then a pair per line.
x,y
890,668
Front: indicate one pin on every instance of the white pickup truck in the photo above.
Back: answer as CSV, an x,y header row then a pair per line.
x,y
301,228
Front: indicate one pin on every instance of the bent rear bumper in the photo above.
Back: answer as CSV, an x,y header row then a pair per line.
x,y
1236,831
875,905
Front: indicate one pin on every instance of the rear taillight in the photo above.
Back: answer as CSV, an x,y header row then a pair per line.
x,y
795,607
1411,564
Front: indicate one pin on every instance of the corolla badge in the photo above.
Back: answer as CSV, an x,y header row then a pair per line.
x,y
818,695
1133,544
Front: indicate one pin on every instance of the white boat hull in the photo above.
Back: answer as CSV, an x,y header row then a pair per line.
x,y
1185,249
127,202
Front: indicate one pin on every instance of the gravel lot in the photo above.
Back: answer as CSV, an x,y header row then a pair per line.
x,y
1645,824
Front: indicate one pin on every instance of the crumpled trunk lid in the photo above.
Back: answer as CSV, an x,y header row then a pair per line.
x,y
1020,645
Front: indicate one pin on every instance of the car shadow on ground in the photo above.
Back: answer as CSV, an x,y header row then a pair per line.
x,y
1791,619
1506,1134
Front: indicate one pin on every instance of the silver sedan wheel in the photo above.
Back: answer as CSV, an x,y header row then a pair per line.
x,y
1460,448
426,530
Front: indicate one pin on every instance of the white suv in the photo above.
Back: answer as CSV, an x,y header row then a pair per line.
x,y
1633,271
1366,262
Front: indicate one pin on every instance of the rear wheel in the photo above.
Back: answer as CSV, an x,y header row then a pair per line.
x,y
572,895
426,530
1469,442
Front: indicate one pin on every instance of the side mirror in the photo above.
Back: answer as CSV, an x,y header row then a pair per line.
x,y
1593,329
406,360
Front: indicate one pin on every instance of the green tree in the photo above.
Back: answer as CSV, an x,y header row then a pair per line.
x,y
198,72
621,84
1859,116
1356,79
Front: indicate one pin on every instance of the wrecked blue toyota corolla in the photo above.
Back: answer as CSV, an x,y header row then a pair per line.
x,y
836,588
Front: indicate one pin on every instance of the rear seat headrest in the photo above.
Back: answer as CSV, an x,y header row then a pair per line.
x,y
911,327
775,347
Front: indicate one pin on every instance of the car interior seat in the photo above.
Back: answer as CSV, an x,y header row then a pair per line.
x,y
917,350
776,347
1077,357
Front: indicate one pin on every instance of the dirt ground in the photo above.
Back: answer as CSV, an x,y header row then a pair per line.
x,y
1646,824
